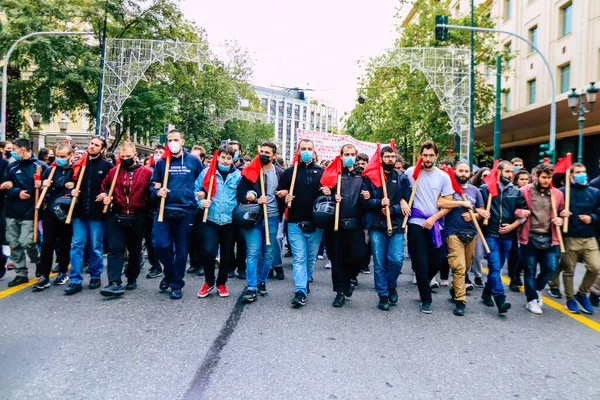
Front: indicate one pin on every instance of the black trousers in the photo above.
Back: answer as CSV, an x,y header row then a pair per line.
x,y
426,259
57,234
516,263
213,236
148,223
346,250
196,251
444,266
119,238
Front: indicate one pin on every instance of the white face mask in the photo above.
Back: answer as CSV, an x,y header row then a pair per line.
x,y
175,147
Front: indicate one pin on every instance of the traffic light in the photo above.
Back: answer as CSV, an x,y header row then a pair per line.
x,y
546,154
441,33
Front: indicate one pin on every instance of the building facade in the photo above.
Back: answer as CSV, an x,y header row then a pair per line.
x,y
289,110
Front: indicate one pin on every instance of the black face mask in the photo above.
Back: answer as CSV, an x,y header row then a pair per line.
x,y
264,160
504,181
51,159
127,163
462,181
7,154
388,167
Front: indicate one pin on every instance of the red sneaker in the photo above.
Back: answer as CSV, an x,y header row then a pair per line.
x,y
205,289
222,290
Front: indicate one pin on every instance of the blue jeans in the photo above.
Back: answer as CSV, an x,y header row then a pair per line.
x,y
388,256
548,260
90,233
171,241
499,249
257,270
305,247
277,260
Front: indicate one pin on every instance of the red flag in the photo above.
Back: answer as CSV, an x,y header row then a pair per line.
x,y
252,170
151,162
296,158
393,144
455,185
373,169
167,153
83,160
418,167
563,164
492,180
330,175
212,171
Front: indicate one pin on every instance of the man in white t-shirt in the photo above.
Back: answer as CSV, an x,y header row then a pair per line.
x,y
425,239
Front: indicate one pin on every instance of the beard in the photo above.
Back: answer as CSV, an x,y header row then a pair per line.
x,y
427,164
462,180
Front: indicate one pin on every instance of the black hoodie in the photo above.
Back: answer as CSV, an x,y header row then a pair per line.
x,y
306,190
21,173
87,207
585,200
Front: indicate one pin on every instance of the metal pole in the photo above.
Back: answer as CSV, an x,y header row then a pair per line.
x,y
498,108
5,71
101,84
472,91
581,120
552,142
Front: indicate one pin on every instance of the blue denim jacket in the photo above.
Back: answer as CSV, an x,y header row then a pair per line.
x,y
224,200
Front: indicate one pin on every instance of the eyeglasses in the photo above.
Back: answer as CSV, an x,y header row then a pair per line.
x,y
389,157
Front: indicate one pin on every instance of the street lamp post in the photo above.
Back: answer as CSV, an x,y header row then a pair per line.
x,y
5,71
573,99
63,124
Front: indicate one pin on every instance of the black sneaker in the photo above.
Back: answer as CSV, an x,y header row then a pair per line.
x,y
242,275
112,290
514,286
384,303
249,296
354,282
262,289
164,285
340,300
271,274
594,300
19,280
366,270
131,285
176,294
393,296
478,282
41,284
95,283
486,297
279,274
299,299
193,270
200,271
459,310
469,287
555,293
426,308
502,304
73,288
154,272
349,291
61,279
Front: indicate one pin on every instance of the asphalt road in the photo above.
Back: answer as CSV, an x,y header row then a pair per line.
x,y
146,346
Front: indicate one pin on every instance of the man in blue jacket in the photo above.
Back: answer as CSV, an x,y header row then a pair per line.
x,y
171,238
218,230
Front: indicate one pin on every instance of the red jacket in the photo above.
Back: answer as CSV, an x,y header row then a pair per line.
x,y
131,191
524,229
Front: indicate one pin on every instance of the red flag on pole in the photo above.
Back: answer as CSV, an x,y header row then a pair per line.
x,y
296,158
151,162
252,170
373,171
492,180
393,145
83,160
212,171
563,164
330,175
167,153
455,185
417,170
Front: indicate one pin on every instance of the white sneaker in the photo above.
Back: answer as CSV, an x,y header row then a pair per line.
x,y
434,284
328,265
534,307
6,250
319,257
540,300
444,282
414,279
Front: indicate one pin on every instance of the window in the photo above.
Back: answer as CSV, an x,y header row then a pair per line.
x,y
565,78
567,17
272,107
532,90
507,100
533,38
304,114
264,102
508,51
507,9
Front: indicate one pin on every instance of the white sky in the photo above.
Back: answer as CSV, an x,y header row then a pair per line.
x,y
304,43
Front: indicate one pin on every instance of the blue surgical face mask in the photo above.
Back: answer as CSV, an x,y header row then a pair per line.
x,y
236,156
306,156
15,156
581,178
61,162
349,161
223,167
516,168
156,157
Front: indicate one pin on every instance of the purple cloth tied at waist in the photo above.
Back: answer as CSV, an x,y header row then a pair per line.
x,y
437,227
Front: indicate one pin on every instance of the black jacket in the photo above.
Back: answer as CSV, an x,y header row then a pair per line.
x,y
3,165
246,186
87,207
306,190
57,189
21,173
503,209
585,200
352,184
398,187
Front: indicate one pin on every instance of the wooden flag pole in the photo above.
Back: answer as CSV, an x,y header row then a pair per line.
x,y
36,212
74,199
555,213
411,200
387,208
264,207
210,190
45,190
112,187
488,207
161,211
293,183
567,199
477,227
336,224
